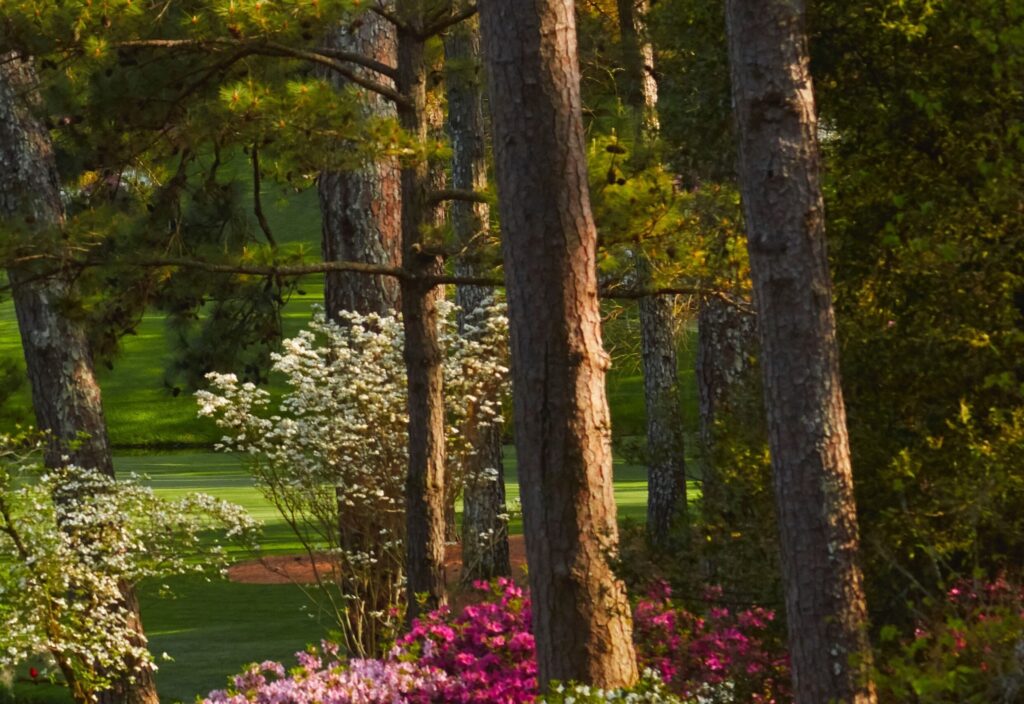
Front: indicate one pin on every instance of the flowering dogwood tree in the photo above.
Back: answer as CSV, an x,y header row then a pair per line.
x,y
332,457
70,538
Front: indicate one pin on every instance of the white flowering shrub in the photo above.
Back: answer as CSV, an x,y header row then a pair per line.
x,y
650,689
70,538
331,454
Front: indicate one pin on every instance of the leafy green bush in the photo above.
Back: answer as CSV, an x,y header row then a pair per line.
x,y
971,651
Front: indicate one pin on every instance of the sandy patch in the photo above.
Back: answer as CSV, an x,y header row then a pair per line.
x,y
288,569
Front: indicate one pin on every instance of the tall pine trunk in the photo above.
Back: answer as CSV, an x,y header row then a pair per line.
x,y
425,481
581,617
726,344
780,182
65,395
361,212
484,525
362,208
666,452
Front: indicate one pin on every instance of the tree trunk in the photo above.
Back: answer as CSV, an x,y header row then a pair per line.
x,y
666,456
362,209
666,452
485,552
641,89
361,212
65,395
581,617
779,177
425,482
484,524
726,344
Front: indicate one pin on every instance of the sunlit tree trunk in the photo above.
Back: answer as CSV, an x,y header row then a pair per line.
x,y
780,182
65,395
362,208
361,212
581,617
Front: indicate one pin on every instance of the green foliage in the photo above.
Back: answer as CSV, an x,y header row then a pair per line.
x,y
970,650
70,539
149,105
921,132
692,68
920,101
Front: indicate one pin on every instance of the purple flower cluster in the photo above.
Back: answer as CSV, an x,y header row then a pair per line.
x,y
487,651
322,678
693,653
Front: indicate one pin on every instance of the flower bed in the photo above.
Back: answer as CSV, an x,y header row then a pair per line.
x,y
485,655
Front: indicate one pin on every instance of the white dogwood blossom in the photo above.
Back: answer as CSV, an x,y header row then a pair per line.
x,y
332,452
70,538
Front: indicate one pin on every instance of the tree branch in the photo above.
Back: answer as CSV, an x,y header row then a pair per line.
x,y
446,22
441,196
332,59
364,61
257,200
390,16
266,270
606,292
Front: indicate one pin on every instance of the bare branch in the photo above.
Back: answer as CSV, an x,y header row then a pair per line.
x,y
257,200
456,194
334,60
390,16
609,292
266,270
446,22
364,61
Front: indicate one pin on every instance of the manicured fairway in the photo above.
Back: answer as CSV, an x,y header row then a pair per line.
x,y
212,628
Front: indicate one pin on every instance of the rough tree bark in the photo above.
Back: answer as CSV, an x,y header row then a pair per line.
x,y
780,182
641,88
666,453
362,209
65,395
425,482
484,529
581,617
726,343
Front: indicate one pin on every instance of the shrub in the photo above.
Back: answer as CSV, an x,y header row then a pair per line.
x,y
333,457
486,655
70,539
971,651
322,678
649,690
487,650
725,656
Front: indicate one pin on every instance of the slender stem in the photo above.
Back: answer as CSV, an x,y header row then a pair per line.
x,y
257,200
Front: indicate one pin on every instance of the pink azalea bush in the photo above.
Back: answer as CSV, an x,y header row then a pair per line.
x,y
487,650
726,655
485,654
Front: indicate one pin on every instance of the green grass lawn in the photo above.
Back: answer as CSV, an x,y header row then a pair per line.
x,y
212,628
